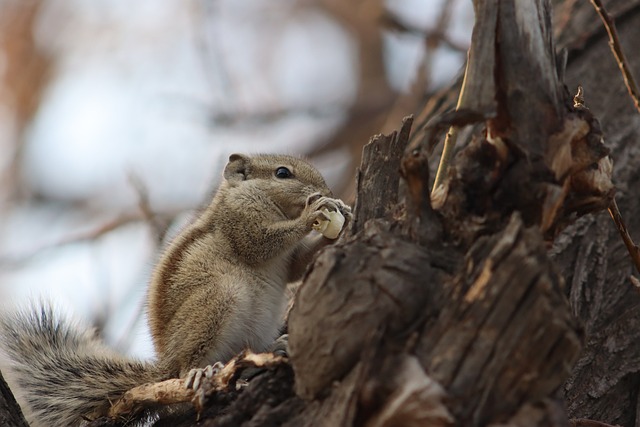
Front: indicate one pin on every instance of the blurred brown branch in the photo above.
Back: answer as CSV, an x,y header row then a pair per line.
x,y
616,48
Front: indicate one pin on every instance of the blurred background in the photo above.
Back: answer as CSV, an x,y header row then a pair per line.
x,y
117,117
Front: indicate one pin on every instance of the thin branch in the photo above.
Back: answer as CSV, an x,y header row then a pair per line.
x,y
633,249
449,141
432,36
616,48
157,225
582,422
8,262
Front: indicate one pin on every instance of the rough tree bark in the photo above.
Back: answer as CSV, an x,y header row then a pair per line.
x,y
490,339
605,382
590,255
10,412
508,303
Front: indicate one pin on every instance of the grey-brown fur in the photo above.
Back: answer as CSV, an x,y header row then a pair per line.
x,y
218,288
60,372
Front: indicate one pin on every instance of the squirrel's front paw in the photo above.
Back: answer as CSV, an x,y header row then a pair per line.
x,y
313,210
194,378
327,215
280,347
345,210
330,224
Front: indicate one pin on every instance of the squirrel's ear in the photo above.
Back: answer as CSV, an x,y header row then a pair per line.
x,y
236,169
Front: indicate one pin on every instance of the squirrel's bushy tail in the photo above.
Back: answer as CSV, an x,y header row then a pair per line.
x,y
61,373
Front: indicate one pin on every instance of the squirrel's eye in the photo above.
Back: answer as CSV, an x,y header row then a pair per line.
x,y
283,172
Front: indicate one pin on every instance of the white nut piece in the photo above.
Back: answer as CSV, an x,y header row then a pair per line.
x,y
330,228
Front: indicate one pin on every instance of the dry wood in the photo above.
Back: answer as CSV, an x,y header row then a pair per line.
x,y
373,283
377,181
153,394
413,400
494,345
10,413
590,253
173,391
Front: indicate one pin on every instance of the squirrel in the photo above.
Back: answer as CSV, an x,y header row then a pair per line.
x,y
218,288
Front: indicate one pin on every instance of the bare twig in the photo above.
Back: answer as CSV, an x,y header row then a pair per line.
x,y
7,262
158,226
157,222
449,142
452,135
442,24
582,422
143,196
433,36
616,48
633,249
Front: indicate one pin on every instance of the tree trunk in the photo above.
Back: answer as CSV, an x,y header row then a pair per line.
x,y
10,412
590,254
605,381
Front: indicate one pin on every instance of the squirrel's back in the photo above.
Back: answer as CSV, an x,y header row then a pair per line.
x,y
63,374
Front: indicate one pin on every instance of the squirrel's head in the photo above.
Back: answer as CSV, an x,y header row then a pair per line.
x,y
285,180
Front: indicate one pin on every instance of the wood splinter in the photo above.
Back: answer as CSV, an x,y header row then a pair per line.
x,y
173,391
